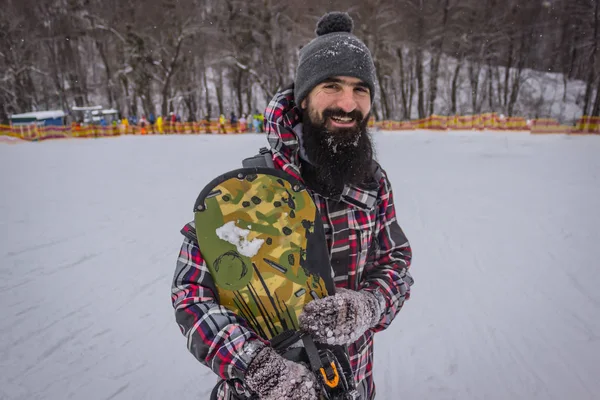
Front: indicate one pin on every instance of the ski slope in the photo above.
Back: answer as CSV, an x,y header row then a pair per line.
x,y
504,227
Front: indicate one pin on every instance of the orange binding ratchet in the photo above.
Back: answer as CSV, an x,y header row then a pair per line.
x,y
335,380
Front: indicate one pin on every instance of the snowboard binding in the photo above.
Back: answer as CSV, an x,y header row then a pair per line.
x,y
330,364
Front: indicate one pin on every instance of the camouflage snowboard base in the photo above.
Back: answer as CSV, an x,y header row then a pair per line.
x,y
262,238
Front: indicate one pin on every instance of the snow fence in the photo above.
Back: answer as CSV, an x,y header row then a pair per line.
x,y
481,122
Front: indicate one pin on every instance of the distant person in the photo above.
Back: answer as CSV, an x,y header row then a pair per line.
x,y
159,125
143,124
243,125
222,124
234,122
124,126
256,123
207,128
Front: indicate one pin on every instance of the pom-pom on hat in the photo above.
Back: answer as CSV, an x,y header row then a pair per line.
x,y
334,52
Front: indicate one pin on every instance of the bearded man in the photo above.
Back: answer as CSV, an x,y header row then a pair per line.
x,y
317,131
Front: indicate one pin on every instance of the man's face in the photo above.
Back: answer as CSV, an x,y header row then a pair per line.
x,y
334,131
339,103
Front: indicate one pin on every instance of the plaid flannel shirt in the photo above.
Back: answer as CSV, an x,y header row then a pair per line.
x,y
368,250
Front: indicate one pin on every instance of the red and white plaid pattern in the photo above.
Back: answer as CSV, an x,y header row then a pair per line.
x,y
368,250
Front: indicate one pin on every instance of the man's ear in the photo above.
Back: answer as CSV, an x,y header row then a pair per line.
x,y
303,104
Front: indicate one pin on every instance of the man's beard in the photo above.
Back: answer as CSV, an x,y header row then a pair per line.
x,y
337,156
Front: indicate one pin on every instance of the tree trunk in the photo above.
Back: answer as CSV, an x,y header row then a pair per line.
x,y
219,89
453,106
76,82
146,98
107,70
169,75
591,65
395,102
375,112
433,77
498,88
565,83
239,92
208,105
134,103
57,77
385,109
522,58
190,102
514,94
484,90
571,70
249,85
404,84
474,78
435,64
507,74
165,99
596,109
588,89
383,92
420,83
411,80
491,87
127,110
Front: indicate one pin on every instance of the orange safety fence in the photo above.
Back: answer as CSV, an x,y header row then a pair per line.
x,y
183,128
548,126
493,121
587,125
36,133
488,121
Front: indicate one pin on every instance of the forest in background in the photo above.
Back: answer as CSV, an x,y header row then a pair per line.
x,y
201,58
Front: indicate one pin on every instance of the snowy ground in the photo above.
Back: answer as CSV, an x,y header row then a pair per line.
x,y
506,238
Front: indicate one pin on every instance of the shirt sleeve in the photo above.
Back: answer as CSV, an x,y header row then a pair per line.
x,y
216,336
387,270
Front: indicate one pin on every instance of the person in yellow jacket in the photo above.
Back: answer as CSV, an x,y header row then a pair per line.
x,y
258,121
124,126
222,124
159,124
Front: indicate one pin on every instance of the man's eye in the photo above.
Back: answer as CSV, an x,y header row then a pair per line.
x,y
362,89
330,86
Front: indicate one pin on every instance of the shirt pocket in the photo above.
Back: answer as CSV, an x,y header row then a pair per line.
x,y
360,225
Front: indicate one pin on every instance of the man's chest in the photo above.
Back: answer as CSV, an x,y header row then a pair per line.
x,y
349,235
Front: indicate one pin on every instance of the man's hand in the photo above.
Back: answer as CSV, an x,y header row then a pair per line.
x,y
273,377
342,318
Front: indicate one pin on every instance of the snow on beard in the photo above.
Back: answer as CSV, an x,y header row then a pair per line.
x,y
342,156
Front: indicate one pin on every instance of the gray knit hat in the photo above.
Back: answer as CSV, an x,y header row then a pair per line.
x,y
334,52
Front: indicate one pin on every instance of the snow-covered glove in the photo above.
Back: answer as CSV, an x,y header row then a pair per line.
x,y
342,318
273,377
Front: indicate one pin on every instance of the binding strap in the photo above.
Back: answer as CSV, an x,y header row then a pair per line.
x,y
337,383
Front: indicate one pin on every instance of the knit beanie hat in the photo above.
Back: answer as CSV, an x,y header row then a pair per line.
x,y
334,52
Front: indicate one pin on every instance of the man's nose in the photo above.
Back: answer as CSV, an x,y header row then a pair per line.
x,y
346,101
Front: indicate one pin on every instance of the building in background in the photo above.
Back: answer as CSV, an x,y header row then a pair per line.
x,y
40,118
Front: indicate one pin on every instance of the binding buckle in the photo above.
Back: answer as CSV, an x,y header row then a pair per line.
x,y
331,377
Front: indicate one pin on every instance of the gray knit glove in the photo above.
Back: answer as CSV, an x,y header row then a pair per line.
x,y
273,377
342,318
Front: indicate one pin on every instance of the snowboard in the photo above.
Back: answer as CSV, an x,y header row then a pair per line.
x,y
263,241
